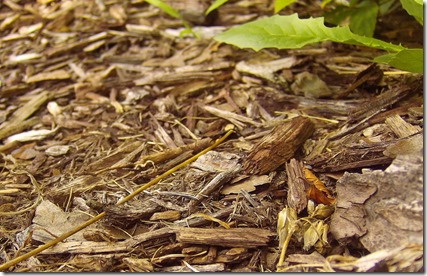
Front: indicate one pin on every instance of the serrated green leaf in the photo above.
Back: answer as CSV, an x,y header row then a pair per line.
x,y
414,8
215,5
384,58
410,60
291,32
281,4
165,7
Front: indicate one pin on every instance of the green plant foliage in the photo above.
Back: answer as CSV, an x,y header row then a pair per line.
x,y
360,17
215,5
386,6
172,12
165,7
281,4
408,59
291,32
414,8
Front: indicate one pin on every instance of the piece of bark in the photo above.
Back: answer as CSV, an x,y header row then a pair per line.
x,y
233,255
350,158
208,258
138,264
370,76
383,208
126,214
90,247
401,128
348,220
279,146
408,145
297,197
93,263
383,100
235,237
395,212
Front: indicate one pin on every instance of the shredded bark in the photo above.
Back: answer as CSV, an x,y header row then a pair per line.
x,y
97,98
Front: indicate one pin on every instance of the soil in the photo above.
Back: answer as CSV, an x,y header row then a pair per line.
x,y
315,160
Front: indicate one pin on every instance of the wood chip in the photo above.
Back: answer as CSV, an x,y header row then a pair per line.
x,y
279,146
297,197
235,237
401,128
54,75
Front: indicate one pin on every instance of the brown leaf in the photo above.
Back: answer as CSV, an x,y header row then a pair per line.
x,y
317,190
318,196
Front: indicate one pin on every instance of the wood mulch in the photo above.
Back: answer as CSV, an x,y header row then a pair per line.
x,y
324,164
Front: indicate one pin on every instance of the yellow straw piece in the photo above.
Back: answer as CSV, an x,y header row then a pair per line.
x,y
207,217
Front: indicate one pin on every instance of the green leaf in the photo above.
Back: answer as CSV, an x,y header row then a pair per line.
x,y
414,8
410,60
325,3
172,12
339,16
387,6
291,32
281,4
363,19
165,7
215,5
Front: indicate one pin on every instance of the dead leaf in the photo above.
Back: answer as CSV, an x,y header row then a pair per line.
x,y
315,233
317,190
311,86
318,196
50,221
248,184
286,221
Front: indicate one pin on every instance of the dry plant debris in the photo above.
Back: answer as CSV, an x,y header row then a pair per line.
x,y
100,97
